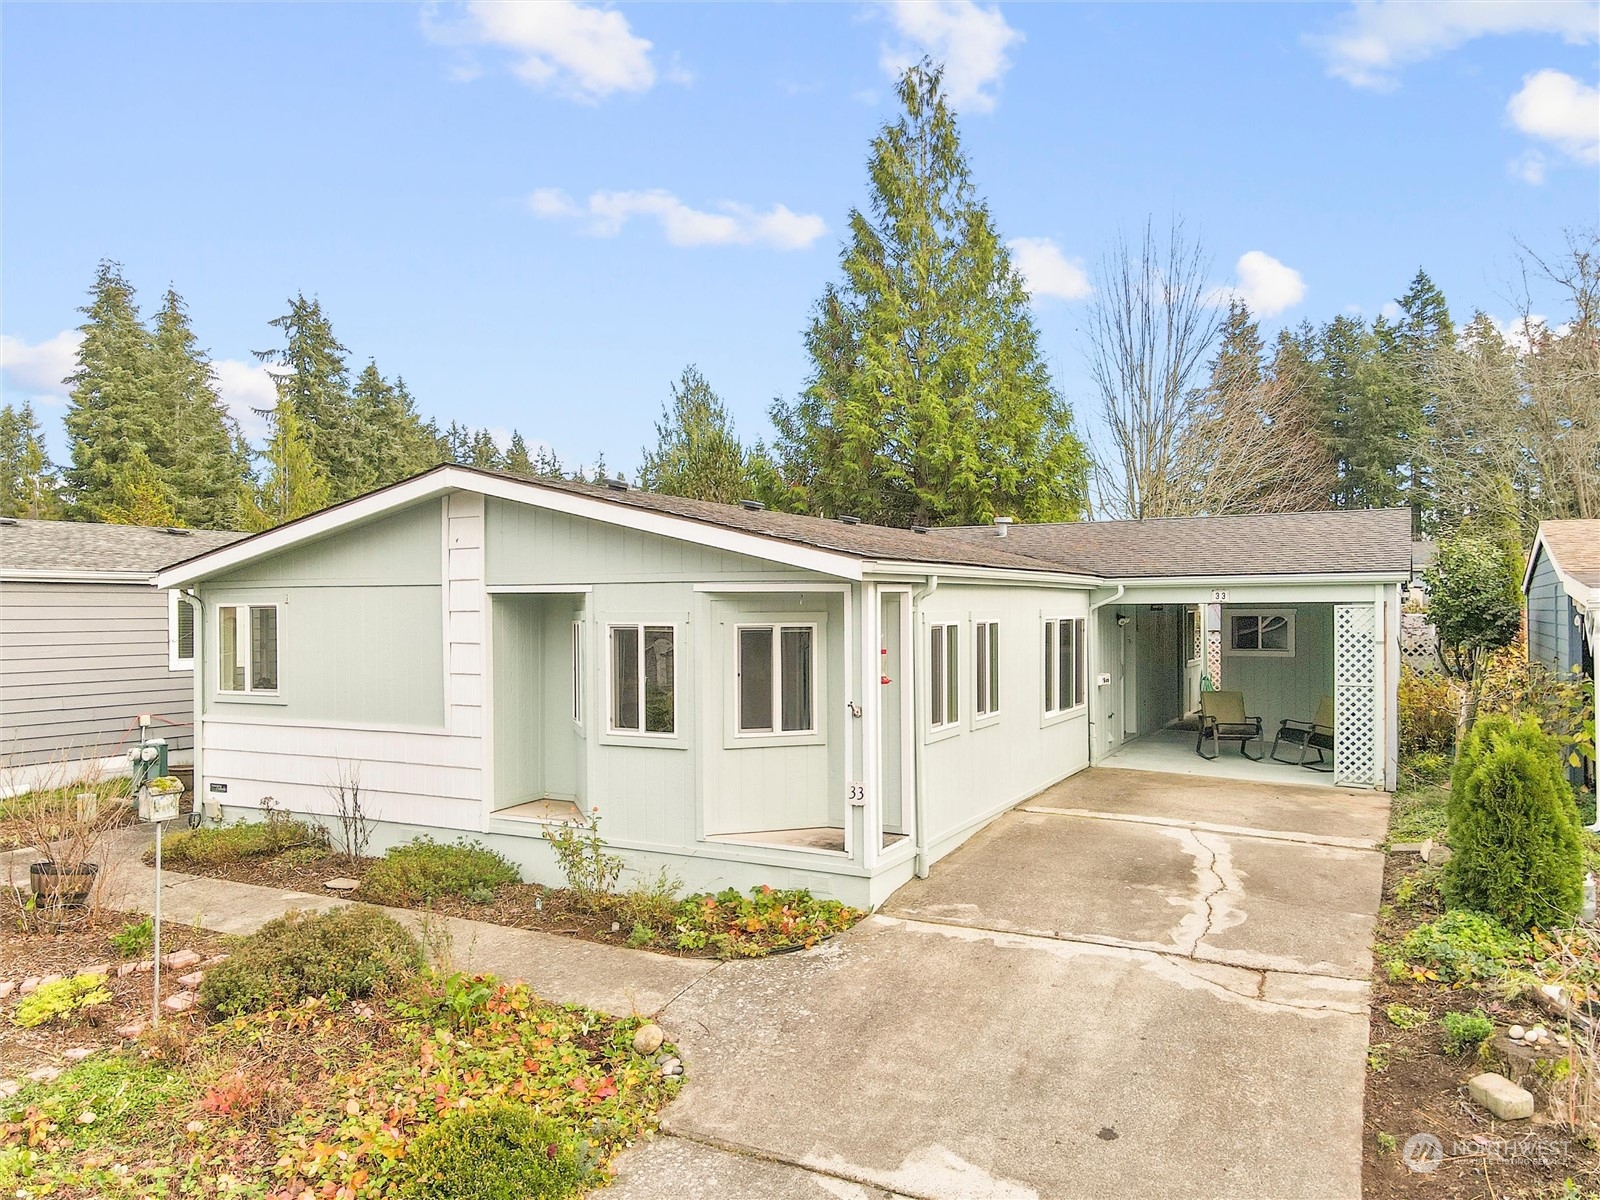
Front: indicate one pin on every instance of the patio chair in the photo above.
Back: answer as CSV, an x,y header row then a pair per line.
x,y
1223,719
1308,735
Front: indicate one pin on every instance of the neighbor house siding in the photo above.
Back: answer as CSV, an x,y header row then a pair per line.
x,y
79,663
1552,637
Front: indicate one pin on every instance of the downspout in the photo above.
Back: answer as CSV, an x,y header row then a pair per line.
x,y
922,864
1094,668
196,801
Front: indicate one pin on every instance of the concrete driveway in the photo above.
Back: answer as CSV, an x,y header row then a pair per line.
x,y
1135,984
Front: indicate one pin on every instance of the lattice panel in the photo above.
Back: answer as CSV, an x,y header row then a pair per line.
x,y
1357,710
1214,659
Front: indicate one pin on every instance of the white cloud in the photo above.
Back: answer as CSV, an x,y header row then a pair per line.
x,y
578,50
1529,167
1047,271
731,224
38,370
1554,107
246,387
971,42
1264,284
1376,38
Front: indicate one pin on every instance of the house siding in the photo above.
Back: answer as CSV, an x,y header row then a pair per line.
x,y
79,663
1552,637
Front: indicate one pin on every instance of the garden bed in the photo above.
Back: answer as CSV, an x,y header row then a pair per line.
x,y
1416,1085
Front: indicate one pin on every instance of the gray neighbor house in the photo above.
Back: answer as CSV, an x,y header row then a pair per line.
x,y
1562,588
745,696
87,645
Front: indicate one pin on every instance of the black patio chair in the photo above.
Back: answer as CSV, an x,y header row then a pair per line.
x,y
1308,736
1223,719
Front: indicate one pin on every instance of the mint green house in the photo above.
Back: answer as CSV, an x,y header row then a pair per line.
x,y
742,696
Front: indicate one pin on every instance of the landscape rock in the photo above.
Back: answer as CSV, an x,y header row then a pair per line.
x,y
29,986
9,1087
181,960
342,884
1536,1034
49,979
648,1040
1500,1096
180,1002
44,1074
97,969
1515,1033
192,980
672,1067
214,960
145,966
6,988
131,1030
77,1053
126,969
1406,848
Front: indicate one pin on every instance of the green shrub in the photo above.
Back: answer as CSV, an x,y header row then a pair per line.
x,y
767,920
1428,708
1513,827
1462,946
135,939
423,870
235,843
346,952
1463,1031
63,998
498,1152
580,851
1403,1016
652,902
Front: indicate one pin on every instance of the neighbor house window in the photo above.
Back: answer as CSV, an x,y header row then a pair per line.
x,y
247,648
1066,665
643,683
944,676
777,672
1265,632
180,633
986,678
577,672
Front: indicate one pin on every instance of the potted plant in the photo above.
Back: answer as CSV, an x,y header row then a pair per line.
x,y
65,827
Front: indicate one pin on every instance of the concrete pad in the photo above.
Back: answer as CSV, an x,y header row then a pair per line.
x,y
946,1062
671,1168
1264,806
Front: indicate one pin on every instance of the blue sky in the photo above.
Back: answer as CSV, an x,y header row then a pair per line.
x,y
538,214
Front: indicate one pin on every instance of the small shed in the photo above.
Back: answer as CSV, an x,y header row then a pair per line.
x,y
87,644
1562,591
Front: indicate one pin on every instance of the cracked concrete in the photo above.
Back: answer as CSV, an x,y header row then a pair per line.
x,y
1085,1000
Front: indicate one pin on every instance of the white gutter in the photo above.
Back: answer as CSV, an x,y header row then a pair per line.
x,y
54,575
917,806
1044,577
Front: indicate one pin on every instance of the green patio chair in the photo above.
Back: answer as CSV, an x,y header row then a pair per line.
x,y
1223,719
1308,736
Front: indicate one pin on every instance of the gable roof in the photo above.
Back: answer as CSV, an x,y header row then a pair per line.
x,y
1573,548
813,543
1355,542
70,549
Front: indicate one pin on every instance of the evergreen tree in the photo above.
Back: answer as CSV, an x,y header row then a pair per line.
x,y
929,401
1410,347
1238,367
112,402
518,461
395,444
194,440
484,452
139,495
28,483
292,483
317,383
697,453
1364,433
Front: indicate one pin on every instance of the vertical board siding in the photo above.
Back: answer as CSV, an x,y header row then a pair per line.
x,y
1552,638
1277,689
78,664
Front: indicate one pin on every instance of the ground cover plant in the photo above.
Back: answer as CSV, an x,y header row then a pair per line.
x,y
441,1087
241,841
424,870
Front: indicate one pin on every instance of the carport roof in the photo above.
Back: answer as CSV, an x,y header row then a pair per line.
x,y
1363,542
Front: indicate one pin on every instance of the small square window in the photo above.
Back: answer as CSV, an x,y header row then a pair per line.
x,y
1264,632
247,648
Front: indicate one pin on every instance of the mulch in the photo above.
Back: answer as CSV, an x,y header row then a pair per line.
x,y
1423,1090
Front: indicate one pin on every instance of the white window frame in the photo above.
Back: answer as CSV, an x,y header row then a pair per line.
x,y
175,607
241,644
641,734
1055,697
577,672
777,626
1229,616
985,671
948,676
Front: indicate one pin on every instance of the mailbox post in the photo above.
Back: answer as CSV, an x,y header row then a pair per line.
x,y
160,799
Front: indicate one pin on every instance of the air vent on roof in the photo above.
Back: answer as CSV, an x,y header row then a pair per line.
x,y
751,505
849,520
8,520
919,529
619,484
175,531
1002,524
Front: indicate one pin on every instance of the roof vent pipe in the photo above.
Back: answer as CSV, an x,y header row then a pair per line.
x,y
1003,524
849,520
619,484
751,505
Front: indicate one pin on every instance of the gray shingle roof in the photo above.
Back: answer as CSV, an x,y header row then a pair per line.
x,y
1575,548
1367,542
875,542
76,546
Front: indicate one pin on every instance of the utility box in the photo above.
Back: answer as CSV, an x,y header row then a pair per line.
x,y
147,761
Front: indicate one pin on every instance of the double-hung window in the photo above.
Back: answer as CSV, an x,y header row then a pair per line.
x,y
1066,665
643,680
777,679
180,633
944,676
247,648
1265,632
986,676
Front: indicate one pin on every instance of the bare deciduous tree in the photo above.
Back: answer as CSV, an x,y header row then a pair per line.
x,y
355,823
